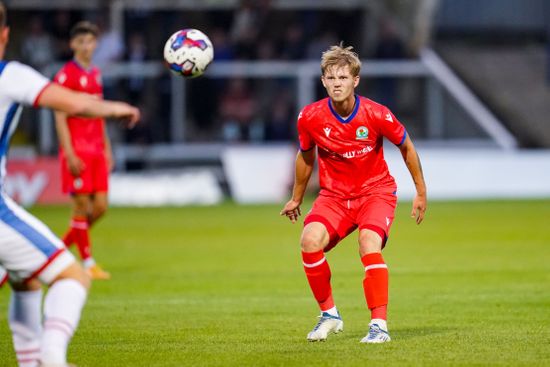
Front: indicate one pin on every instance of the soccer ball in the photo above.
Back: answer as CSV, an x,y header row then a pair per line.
x,y
188,52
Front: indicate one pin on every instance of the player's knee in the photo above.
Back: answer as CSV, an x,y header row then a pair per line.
x,y
369,242
75,271
311,242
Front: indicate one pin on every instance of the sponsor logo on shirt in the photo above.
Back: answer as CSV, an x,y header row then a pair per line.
x,y
388,117
361,133
327,131
357,153
83,81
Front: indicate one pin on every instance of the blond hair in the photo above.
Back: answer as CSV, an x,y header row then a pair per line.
x,y
338,55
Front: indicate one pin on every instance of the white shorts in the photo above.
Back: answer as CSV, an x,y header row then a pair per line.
x,y
28,248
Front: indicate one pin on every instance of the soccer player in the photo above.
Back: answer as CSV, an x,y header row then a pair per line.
x,y
29,251
357,191
85,152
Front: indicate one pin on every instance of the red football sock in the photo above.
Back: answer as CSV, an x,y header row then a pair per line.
x,y
375,284
318,276
68,238
81,237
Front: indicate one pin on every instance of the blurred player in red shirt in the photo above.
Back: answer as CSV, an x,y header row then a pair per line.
x,y
85,152
357,190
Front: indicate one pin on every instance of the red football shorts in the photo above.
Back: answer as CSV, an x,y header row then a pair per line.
x,y
341,216
93,178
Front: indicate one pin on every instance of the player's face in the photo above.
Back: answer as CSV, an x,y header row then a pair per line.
x,y
83,46
339,83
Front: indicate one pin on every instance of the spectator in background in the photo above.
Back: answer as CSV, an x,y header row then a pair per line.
x,y
237,112
136,55
61,22
37,47
319,44
281,116
293,44
222,46
110,46
390,46
266,50
248,21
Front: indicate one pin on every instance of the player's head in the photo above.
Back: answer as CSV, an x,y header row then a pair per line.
x,y
83,40
4,29
340,68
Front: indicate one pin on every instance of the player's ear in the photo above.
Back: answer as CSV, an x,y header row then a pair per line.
x,y
356,81
323,80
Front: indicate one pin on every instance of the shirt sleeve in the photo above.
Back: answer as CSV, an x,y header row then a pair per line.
x,y
22,83
391,128
304,138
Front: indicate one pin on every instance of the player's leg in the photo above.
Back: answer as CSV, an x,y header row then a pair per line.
x,y
100,202
98,205
30,251
315,238
80,227
319,236
99,185
375,284
25,321
375,221
62,309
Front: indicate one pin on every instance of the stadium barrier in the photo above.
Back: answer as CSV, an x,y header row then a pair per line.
x,y
257,174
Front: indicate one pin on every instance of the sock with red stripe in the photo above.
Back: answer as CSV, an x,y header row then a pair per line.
x,y
62,307
25,320
318,275
375,285
81,236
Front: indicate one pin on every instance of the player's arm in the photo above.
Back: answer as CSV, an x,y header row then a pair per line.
x,y
81,104
415,168
64,135
304,167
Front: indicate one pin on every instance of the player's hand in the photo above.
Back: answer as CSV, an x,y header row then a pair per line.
x,y
76,166
419,208
128,114
292,210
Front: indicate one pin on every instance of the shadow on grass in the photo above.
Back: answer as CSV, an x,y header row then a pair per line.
x,y
417,332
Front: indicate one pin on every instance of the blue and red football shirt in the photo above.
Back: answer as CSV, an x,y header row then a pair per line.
x,y
351,154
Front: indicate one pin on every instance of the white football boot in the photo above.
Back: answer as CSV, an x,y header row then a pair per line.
x,y
378,332
327,323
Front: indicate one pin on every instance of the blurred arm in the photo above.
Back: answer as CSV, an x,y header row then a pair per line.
x,y
415,168
304,167
80,104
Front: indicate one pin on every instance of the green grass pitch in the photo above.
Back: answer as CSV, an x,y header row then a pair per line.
x,y
224,286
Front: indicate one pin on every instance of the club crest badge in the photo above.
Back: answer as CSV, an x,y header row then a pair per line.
x,y
77,183
362,133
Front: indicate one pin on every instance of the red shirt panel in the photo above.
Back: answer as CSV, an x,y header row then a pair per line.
x,y
351,154
87,134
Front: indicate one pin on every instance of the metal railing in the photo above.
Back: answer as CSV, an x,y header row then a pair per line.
x,y
429,67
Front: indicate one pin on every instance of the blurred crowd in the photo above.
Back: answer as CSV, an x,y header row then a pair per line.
x,y
230,110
